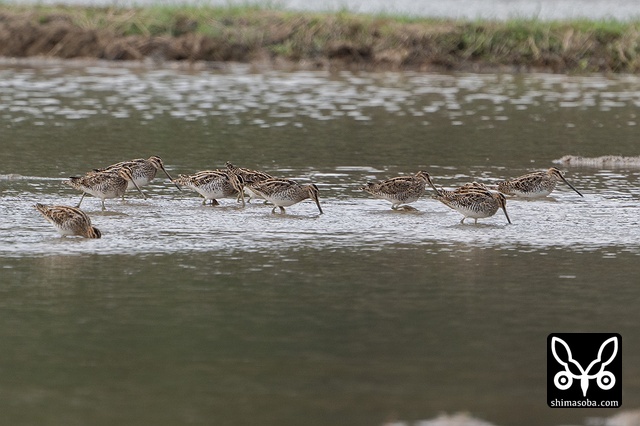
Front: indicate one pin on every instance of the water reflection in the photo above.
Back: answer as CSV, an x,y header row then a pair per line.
x,y
365,336
283,99
184,313
132,100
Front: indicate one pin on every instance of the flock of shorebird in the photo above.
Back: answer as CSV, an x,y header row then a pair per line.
x,y
473,200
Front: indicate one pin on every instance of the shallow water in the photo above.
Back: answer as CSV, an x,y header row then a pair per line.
x,y
184,313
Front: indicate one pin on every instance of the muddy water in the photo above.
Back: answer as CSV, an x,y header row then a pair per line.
x,y
184,313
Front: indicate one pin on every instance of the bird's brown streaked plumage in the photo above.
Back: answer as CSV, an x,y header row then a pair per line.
x,y
213,184
104,184
399,191
534,185
472,200
69,220
143,170
249,177
472,186
284,192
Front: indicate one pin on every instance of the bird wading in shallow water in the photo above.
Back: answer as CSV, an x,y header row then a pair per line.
x,y
399,190
105,184
143,171
284,193
69,220
534,185
472,186
213,184
249,177
472,201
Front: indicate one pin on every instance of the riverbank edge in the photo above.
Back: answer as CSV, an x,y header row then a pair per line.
x,y
264,37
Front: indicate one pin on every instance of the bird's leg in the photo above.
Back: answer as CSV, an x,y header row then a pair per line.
x,y
463,218
81,198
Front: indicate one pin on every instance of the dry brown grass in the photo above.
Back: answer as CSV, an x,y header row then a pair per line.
x,y
250,34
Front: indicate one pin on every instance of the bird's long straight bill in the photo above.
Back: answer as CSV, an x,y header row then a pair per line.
x,y
138,188
504,209
571,186
318,204
432,185
81,198
171,179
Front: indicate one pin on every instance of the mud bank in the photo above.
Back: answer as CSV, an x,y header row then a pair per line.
x,y
315,40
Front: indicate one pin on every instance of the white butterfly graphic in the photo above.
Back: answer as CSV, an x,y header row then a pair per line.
x,y
564,379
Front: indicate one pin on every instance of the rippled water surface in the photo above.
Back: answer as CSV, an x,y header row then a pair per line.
x,y
184,313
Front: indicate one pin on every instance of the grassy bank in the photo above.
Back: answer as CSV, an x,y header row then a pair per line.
x,y
317,40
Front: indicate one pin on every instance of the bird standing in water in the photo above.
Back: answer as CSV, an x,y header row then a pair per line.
x,y
399,191
473,201
213,184
534,185
249,177
284,193
143,171
104,184
69,220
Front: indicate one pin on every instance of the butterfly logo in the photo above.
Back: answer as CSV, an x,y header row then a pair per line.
x,y
595,370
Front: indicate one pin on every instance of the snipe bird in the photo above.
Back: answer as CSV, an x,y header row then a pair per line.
x,y
105,184
472,201
213,184
534,185
472,186
69,220
144,171
399,191
284,193
249,177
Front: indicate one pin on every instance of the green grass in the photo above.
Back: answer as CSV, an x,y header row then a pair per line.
x,y
400,40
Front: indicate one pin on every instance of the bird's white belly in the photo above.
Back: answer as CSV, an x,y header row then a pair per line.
x,y
531,194
281,201
209,193
139,181
110,193
253,194
63,231
475,214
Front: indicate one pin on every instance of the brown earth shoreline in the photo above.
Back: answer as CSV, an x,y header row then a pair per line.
x,y
280,41
58,37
